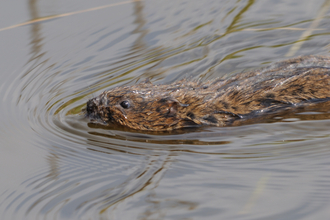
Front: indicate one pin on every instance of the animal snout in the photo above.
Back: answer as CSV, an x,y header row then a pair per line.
x,y
91,107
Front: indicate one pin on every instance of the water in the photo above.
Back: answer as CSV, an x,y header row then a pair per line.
x,y
56,165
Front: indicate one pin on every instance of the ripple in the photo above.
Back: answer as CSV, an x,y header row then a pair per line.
x,y
102,172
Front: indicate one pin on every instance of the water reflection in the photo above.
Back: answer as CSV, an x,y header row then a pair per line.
x,y
36,38
104,172
140,21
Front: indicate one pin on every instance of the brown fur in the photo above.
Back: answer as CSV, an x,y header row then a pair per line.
x,y
280,87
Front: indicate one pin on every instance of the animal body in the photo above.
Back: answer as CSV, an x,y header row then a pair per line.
x,y
245,97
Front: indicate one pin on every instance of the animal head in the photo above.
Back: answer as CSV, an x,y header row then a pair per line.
x,y
142,107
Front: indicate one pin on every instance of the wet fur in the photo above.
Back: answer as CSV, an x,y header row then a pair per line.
x,y
253,95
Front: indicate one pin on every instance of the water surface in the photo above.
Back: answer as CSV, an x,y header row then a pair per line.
x,y
55,164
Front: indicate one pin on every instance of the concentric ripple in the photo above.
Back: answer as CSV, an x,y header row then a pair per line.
x,y
275,170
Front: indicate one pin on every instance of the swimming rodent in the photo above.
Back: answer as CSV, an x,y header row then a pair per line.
x,y
248,96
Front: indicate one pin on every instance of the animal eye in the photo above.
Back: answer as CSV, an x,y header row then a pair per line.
x,y
125,104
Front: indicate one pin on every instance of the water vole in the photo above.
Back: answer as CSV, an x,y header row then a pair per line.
x,y
247,96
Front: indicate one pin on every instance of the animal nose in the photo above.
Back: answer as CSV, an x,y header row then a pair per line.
x,y
91,107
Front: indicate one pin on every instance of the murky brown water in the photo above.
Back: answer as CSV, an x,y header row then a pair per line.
x,y
56,165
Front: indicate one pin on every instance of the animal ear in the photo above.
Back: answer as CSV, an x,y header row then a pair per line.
x,y
173,109
168,106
